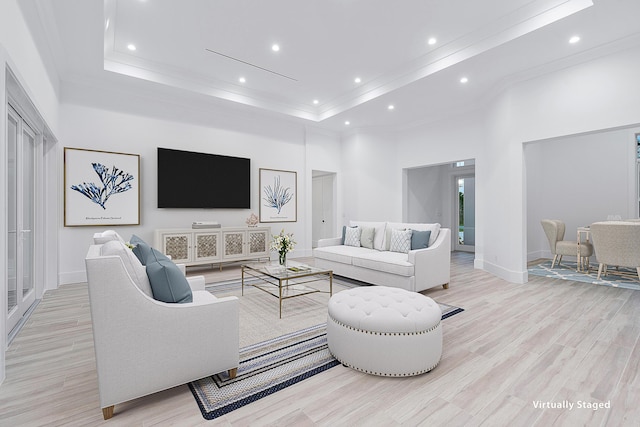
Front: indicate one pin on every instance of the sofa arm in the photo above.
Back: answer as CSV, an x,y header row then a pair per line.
x,y
432,266
333,241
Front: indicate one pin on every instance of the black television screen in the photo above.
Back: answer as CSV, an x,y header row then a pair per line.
x,y
199,180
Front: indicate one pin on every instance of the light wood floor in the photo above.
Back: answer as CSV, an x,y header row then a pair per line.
x,y
547,341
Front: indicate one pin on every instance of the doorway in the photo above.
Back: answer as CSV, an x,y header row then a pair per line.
x,y
465,212
323,206
21,217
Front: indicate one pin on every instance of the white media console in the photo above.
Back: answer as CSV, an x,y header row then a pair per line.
x,y
214,245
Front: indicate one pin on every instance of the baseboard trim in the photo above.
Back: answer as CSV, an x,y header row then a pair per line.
x,y
72,277
512,276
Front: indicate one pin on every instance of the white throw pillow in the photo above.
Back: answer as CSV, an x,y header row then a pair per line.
x,y
400,241
378,235
106,236
366,237
352,236
132,264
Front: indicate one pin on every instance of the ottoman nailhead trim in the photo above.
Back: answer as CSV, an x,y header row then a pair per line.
x,y
426,331
366,371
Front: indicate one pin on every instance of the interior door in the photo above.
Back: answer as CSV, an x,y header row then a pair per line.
x,y
465,197
323,207
21,168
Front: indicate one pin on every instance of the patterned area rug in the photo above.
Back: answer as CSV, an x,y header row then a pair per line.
x,y
270,366
618,278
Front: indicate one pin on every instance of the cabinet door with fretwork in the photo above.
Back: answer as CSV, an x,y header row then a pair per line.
x,y
207,246
177,246
258,243
233,244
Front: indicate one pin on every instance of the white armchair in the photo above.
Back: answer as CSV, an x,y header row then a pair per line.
x,y
142,345
554,230
616,243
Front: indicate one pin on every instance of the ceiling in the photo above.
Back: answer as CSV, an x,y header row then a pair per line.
x,y
201,48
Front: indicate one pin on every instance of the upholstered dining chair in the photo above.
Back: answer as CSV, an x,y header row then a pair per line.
x,y
616,243
554,229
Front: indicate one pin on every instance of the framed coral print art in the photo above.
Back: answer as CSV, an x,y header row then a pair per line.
x,y
278,196
101,188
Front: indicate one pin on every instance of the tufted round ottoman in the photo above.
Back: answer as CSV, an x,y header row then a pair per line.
x,y
385,331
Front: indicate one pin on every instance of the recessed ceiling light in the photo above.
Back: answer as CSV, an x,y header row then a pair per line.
x,y
275,48
574,39
242,80
432,41
357,80
315,101
391,107
347,123
131,47
464,80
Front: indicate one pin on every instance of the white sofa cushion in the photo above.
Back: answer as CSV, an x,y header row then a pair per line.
x,y
378,235
340,253
132,264
434,228
202,298
385,261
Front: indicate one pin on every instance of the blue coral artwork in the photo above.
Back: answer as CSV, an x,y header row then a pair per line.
x,y
278,196
101,188
111,182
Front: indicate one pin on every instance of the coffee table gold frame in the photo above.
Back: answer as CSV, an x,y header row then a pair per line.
x,y
286,282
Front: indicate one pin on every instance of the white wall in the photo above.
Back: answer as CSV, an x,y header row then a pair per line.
x,y
323,152
372,180
443,143
592,96
277,146
426,193
579,179
19,52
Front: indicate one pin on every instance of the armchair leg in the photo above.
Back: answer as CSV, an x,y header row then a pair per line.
x,y
638,271
600,270
446,285
555,257
107,412
233,372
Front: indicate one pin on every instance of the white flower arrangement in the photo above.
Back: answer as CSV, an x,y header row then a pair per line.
x,y
283,243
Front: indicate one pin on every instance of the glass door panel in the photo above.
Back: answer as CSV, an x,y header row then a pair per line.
x,y
466,213
28,191
12,223
21,181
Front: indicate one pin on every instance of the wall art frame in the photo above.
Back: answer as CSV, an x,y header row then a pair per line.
x,y
101,188
278,195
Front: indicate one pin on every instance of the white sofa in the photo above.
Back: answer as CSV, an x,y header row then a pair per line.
x,y
142,345
416,270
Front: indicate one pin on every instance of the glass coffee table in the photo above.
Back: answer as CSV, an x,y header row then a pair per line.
x,y
292,281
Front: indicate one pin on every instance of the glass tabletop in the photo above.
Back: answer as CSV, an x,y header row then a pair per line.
x,y
292,270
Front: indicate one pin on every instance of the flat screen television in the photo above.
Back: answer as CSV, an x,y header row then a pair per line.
x,y
188,179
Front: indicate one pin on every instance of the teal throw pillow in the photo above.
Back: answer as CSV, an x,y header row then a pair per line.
x,y
140,248
168,284
144,252
420,239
